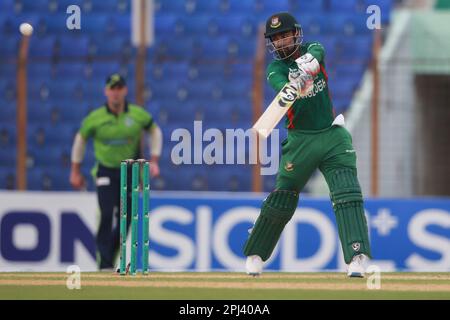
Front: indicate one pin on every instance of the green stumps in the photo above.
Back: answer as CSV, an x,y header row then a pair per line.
x,y
145,213
123,217
136,167
134,215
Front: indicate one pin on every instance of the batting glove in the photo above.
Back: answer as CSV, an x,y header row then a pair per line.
x,y
308,64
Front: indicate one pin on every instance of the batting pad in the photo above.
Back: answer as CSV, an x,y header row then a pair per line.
x,y
347,199
276,211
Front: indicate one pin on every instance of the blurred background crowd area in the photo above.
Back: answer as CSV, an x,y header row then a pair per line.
x,y
200,67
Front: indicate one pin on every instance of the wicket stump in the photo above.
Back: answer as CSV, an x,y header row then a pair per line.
x,y
136,166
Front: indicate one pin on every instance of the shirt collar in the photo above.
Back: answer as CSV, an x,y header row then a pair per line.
x,y
109,110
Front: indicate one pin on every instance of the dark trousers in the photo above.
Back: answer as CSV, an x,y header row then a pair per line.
x,y
108,235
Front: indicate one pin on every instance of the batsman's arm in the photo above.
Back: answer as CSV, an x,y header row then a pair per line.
x,y
276,77
316,50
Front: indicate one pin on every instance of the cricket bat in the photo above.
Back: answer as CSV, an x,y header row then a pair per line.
x,y
276,110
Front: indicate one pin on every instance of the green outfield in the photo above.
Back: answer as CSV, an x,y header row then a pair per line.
x,y
218,285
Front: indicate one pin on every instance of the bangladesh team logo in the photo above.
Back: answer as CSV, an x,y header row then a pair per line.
x,y
275,22
356,246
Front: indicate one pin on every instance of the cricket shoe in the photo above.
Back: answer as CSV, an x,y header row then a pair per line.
x,y
356,267
254,265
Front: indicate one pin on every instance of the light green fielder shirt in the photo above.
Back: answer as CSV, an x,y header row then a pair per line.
x,y
116,137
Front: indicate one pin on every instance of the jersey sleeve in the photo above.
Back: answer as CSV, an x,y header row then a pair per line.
x,y
147,120
276,77
316,50
87,129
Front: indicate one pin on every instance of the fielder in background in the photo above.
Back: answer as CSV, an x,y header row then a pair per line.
x,y
316,139
116,128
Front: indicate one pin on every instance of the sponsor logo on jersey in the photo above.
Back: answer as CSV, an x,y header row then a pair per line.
x,y
319,86
129,122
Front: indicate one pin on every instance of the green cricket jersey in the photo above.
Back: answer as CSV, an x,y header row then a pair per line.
x,y
314,111
116,137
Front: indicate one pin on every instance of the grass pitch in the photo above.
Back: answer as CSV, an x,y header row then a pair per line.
x,y
224,286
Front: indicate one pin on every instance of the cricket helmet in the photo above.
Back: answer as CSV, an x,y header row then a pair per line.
x,y
280,23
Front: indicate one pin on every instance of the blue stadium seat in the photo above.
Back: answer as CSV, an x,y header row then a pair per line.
x,y
237,89
40,70
237,6
24,6
349,25
176,70
203,89
244,49
7,112
176,178
165,25
56,23
9,46
241,110
49,179
42,47
343,88
70,70
196,7
110,6
39,112
120,25
165,89
269,183
7,178
265,8
212,71
95,23
307,6
8,157
43,91
174,6
182,49
355,49
7,6
230,178
340,105
355,70
44,135
348,6
72,47
214,49
50,155
101,69
234,25
239,71
178,113
68,111
190,26
116,46
316,25
8,135
12,22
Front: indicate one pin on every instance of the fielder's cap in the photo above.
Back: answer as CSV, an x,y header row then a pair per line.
x,y
115,80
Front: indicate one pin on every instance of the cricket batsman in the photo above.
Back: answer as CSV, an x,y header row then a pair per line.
x,y
316,139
